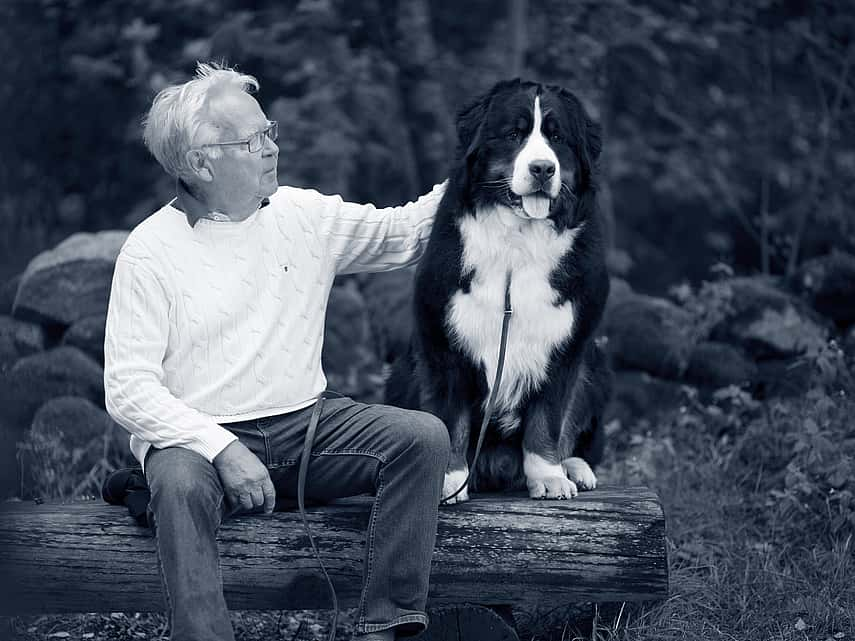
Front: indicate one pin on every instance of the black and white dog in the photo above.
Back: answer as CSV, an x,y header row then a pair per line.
x,y
520,200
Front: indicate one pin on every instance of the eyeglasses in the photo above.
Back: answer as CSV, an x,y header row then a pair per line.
x,y
255,142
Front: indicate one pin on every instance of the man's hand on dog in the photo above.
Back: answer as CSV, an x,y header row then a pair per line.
x,y
246,481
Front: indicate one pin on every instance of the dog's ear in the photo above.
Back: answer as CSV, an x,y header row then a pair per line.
x,y
593,138
470,124
592,132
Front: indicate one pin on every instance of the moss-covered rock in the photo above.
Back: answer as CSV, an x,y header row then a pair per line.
x,y
70,281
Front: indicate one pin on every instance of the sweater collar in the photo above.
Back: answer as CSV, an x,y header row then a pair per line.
x,y
194,209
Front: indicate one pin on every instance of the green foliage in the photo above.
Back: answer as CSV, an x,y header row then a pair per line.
x,y
708,304
727,123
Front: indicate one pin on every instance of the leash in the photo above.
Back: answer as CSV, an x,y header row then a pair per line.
x,y
488,412
301,492
313,428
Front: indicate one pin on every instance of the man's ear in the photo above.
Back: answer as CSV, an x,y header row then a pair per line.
x,y
198,163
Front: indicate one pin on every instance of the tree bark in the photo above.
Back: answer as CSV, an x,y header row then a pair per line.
x,y
605,545
428,118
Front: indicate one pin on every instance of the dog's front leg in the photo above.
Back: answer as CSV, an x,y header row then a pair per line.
x,y
458,469
545,476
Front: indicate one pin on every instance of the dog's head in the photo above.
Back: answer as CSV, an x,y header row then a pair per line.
x,y
527,146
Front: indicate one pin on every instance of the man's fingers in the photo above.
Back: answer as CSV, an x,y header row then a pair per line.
x,y
245,501
269,495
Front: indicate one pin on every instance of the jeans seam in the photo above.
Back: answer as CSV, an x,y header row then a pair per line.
x,y
286,463
355,451
266,441
162,573
404,618
369,570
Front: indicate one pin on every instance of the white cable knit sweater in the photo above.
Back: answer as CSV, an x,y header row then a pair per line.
x,y
224,321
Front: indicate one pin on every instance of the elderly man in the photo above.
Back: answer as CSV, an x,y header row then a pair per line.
x,y
213,359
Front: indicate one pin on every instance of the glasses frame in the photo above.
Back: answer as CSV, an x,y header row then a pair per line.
x,y
271,131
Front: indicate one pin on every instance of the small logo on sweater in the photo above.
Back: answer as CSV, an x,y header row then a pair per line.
x,y
284,268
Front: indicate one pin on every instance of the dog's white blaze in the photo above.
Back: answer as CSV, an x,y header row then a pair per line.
x,y
495,241
535,148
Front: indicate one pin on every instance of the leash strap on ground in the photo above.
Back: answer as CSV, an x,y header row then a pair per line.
x,y
301,492
488,412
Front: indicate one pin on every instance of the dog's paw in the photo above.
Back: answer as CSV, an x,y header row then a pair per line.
x,y
555,487
578,471
546,480
452,482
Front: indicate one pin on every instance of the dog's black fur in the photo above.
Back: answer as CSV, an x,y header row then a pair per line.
x,y
560,417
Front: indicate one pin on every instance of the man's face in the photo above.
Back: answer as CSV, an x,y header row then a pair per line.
x,y
239,175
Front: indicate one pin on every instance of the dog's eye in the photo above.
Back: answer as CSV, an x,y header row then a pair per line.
x,y
514,134
556,138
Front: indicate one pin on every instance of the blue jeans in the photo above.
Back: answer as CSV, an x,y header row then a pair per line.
x,y
399,456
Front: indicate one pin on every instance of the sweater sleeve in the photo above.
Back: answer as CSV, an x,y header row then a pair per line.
x,y
364,238
135,343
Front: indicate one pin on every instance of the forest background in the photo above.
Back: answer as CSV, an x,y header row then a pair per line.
x,y
728,169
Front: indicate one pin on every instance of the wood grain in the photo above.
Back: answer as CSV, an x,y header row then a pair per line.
x,y
605,545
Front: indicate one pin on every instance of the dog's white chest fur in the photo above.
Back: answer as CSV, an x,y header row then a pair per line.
x,y
494,242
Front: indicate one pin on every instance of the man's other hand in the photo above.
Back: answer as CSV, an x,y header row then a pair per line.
x,y
245,479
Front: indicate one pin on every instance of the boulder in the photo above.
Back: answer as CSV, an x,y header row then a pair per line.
x,y
637,395
783,377
348,358
767,322
828,283
388,297
70,281
7,294
35,379
648,333
716,365
17,339
70,447
87,334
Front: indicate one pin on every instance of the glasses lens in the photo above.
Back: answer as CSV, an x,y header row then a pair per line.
x,y
256,141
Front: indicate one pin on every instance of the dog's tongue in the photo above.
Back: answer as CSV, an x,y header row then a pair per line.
x,y
536,205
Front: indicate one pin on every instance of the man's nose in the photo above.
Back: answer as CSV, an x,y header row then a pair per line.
x,y
543,170
270,146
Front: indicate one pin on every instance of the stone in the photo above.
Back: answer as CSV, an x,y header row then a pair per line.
x,y
17,339
70,281
70,447
783,377
767,322
649,333
35,379
714,364
7,294
637,395
87,334
828,283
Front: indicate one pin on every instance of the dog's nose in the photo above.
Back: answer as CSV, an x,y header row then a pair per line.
x,y
542,169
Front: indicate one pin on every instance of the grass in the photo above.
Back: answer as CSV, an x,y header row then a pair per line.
x,y
760,522
750,557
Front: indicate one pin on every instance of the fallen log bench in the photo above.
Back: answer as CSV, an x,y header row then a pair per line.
x,y
494,551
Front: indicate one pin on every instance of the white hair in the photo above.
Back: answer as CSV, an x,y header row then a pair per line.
x,y
176,121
